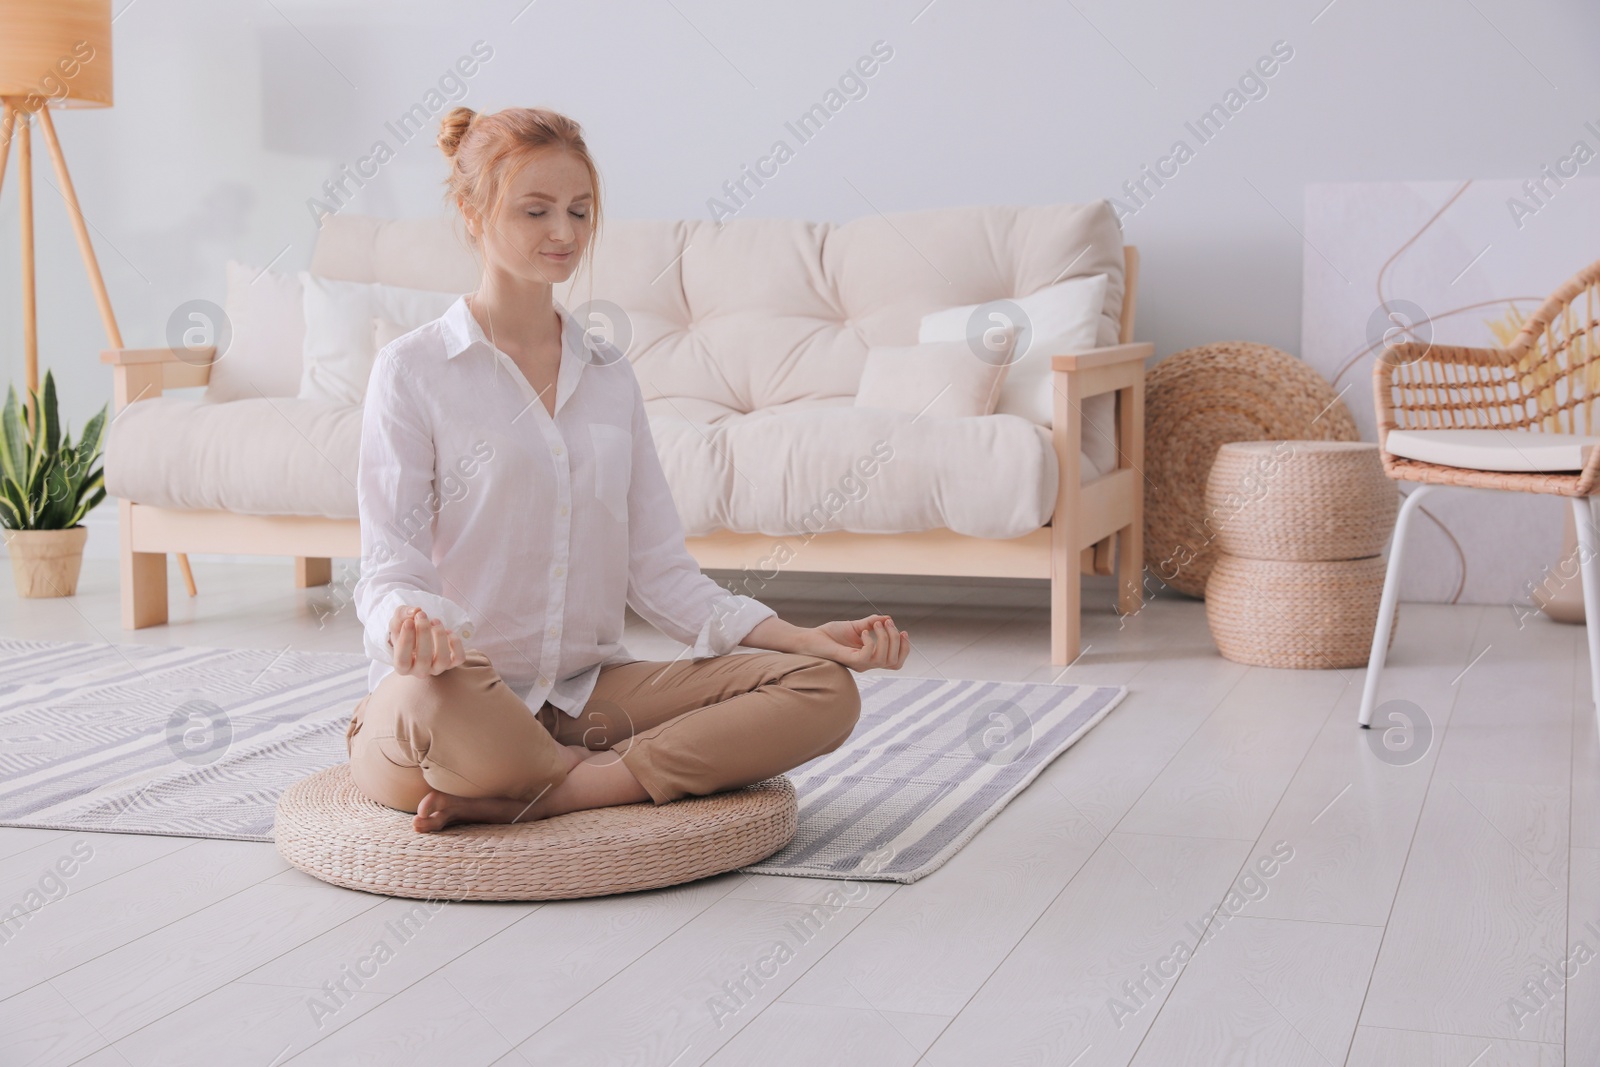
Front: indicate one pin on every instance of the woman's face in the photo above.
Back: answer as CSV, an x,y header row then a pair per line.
x,y
545,220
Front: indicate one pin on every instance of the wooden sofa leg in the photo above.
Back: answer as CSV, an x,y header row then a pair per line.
x,y
142,577
1130,569
1066,599
144,589
1102,556
1130,539
312,570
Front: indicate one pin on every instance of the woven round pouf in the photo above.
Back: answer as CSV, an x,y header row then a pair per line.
x,y
329,829
1300,500
1306,615
1200,399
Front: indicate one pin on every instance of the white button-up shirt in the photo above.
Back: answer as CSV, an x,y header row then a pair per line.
x,y
526,533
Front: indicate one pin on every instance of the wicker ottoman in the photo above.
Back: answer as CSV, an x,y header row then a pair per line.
x,y
1300,528
329,829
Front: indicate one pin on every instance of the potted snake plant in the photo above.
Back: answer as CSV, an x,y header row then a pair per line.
x,y
47,485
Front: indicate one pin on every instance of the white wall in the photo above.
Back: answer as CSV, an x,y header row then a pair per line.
x,y
229,117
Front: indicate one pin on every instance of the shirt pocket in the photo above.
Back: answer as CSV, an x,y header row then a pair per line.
x,y
613,467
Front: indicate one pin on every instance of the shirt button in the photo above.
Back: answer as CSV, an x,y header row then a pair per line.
x,y
554,630
560,571
563,509
556,450
543,680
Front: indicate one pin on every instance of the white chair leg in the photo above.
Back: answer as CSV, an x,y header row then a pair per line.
x,y
1391,597
1588,544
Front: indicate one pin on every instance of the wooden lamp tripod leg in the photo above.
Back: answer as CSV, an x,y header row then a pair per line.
x,y
8,119
189,576
80,228
30,320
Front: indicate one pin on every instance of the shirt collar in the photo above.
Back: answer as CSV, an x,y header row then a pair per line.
x,y
461,329
462,332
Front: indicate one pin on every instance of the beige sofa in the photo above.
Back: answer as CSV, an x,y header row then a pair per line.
x,y
748,340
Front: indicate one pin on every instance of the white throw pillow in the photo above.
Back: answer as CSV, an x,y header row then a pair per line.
x,y
941,379
1057,319
266,327
340,331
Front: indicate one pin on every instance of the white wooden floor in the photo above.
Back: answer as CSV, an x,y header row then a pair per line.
x,y
1415,903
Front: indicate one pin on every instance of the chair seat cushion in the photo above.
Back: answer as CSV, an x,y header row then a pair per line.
x,y
329,829
1518,451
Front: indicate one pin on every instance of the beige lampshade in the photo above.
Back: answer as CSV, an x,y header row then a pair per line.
x,y
55,52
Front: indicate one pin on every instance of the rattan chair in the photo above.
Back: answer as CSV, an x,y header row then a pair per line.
x,y
1519,419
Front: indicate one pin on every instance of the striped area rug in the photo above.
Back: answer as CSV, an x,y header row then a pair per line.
x,y
189,742
200,742
930,762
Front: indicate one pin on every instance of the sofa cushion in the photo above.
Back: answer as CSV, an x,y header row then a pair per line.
x,y
760,312
753,313
788,470
263,456
811,467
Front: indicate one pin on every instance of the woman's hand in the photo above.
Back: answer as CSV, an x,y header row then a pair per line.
x,y
864,644
422,645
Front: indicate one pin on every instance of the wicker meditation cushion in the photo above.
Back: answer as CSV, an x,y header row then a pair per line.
x,y
329,829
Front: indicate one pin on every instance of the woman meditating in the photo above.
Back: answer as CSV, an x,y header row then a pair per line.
x,y
511,496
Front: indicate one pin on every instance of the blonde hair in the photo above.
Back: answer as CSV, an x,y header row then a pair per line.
x,y
486,151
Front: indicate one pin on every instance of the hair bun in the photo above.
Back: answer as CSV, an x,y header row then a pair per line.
x,y
453,127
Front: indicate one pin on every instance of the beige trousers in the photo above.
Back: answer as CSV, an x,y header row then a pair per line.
x,y
684,728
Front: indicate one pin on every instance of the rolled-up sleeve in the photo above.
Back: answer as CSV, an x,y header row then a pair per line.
x,y
665,584
397,499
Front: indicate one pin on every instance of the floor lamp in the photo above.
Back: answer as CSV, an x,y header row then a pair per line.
x,y
53,52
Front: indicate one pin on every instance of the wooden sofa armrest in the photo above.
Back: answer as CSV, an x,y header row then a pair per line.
x,y
142,373
1111,356
1113,501
1117,369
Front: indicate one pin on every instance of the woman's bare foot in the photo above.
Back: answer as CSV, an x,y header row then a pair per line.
x,y
438,810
